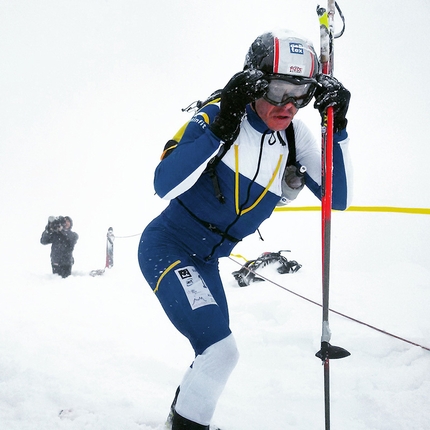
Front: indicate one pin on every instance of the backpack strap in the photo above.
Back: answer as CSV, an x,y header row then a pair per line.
x,y
211,167
210,170
291,140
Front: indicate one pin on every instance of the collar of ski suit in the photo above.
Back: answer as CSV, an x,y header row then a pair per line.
x,y
256,121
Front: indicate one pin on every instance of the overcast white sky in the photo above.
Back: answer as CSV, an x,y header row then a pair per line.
x,y
91,91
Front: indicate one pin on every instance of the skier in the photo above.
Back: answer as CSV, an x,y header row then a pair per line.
x,y
215,202
59,233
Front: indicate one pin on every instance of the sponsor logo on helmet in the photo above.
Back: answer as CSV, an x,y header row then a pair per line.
x,y
296,69
296,48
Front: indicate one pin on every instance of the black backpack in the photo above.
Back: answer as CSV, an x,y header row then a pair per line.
x,y
210,168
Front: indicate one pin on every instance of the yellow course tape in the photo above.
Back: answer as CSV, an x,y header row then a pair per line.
x,y
239,256
422,211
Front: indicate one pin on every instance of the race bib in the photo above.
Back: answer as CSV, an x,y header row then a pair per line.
x,y
197,292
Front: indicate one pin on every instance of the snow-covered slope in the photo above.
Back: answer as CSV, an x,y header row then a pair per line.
x,y
102,347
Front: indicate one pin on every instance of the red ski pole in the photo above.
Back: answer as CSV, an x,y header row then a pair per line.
x,y
327,351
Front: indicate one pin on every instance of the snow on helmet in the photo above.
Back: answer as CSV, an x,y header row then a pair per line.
x,y
283,53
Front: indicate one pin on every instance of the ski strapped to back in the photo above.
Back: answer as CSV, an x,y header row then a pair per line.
x,y
327,351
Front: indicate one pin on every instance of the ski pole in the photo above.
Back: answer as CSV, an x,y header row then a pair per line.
x,y
327,351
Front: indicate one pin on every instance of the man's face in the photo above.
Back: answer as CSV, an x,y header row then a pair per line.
x,y
275,117
66,224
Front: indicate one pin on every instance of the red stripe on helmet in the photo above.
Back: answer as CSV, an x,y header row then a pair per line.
x,y
275,55
312,66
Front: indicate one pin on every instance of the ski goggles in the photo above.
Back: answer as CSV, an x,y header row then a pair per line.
x,y
285,89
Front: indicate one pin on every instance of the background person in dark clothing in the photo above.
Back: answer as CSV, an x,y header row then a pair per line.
x,y
59,233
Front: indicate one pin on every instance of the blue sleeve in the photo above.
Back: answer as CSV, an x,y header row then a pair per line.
x,y
340,178
340,183
180,170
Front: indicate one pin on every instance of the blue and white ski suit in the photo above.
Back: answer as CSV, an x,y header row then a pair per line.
x,y
179,250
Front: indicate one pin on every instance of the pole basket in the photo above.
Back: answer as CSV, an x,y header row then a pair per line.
x,y
331,352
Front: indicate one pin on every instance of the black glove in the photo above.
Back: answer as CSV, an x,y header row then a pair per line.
x,y
330,92
243,88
